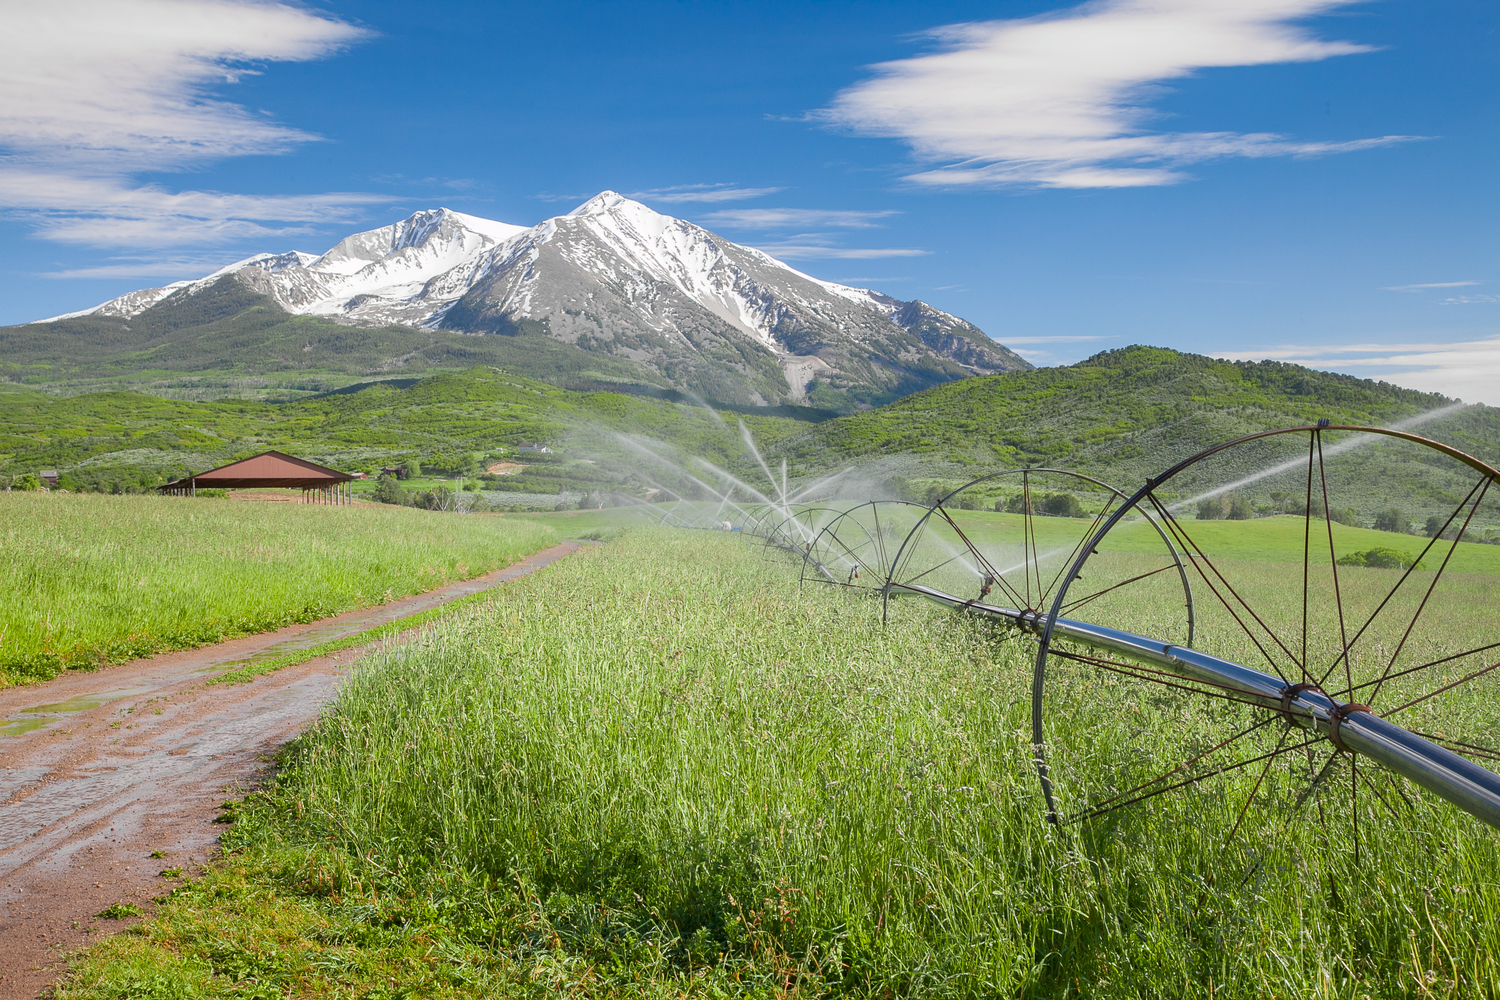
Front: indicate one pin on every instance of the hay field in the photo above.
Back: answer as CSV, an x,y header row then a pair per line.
x,y
89,579
661,769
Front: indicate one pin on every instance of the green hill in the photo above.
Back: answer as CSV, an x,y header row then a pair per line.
x,y
450,422
1121,416
1128,414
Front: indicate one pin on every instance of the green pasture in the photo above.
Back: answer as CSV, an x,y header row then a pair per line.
x,y
1264,539
662,768
91,579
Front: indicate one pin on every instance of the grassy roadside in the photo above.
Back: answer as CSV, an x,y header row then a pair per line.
x,y
89,580
663,770
259,668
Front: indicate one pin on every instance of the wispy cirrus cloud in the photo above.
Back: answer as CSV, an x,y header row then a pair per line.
x,y
709,193
811,248
95,92
795,218
1062,100
1467,370
1430,284
1057,340
172,266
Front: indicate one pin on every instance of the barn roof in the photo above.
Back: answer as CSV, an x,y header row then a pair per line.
x,y
268,469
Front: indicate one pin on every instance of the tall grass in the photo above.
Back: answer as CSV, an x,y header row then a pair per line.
x,y
662,756
91,579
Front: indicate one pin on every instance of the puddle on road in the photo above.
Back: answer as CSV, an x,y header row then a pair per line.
x,y
28,719
82,703
19,726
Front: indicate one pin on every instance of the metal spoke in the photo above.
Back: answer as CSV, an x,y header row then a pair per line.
x,y
1201,557
1407,573
980,560
1028,531
1379,797
1333,561
1082,540
1445,688
1459,747
1251,797
1188,781
1424,666
1162,678
1452,548
1307,550
1072,606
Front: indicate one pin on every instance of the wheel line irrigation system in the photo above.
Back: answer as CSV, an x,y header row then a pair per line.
x,y
854,547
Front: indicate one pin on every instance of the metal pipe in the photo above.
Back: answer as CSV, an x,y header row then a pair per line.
x,y
1460,781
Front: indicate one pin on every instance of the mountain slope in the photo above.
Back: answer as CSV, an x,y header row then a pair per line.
x,y
1123,416
633,295
452,422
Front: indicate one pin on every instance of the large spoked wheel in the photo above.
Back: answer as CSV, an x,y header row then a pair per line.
x,y
1339,563
857,549
1007,541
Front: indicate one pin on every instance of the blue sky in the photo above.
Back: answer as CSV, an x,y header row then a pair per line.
x,y
1298,179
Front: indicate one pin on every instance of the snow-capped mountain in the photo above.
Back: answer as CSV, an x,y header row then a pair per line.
x,y
615,277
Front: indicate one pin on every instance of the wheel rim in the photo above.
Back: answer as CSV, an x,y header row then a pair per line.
x,y
856,549
1018,556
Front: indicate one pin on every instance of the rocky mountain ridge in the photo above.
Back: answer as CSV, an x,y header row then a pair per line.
x,y
614,278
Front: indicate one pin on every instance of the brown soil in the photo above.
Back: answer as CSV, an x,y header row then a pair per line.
x,y
100,770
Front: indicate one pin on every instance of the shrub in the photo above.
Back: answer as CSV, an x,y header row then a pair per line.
x,y
1380,557
1239,508
1060,505
1347,515
1435,524
1393,519
1211,509
387,490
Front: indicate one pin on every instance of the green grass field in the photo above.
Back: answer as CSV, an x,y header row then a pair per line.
x,y
90,579
663,769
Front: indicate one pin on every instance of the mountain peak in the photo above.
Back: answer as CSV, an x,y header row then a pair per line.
x,y
600,203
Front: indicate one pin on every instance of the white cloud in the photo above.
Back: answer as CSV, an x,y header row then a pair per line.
x,y
1467,370
1061,100
818,251
795,218
709,193
1054,340
1471,300
93,92
1430,284
140,267
106,211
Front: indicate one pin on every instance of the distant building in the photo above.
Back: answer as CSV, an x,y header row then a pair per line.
x,y
269,470
399,471
539,449
48,477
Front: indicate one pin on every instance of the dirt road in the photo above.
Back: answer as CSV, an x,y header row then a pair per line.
x,y
100,770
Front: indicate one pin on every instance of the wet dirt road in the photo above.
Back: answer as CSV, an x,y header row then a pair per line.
x,y
100,770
